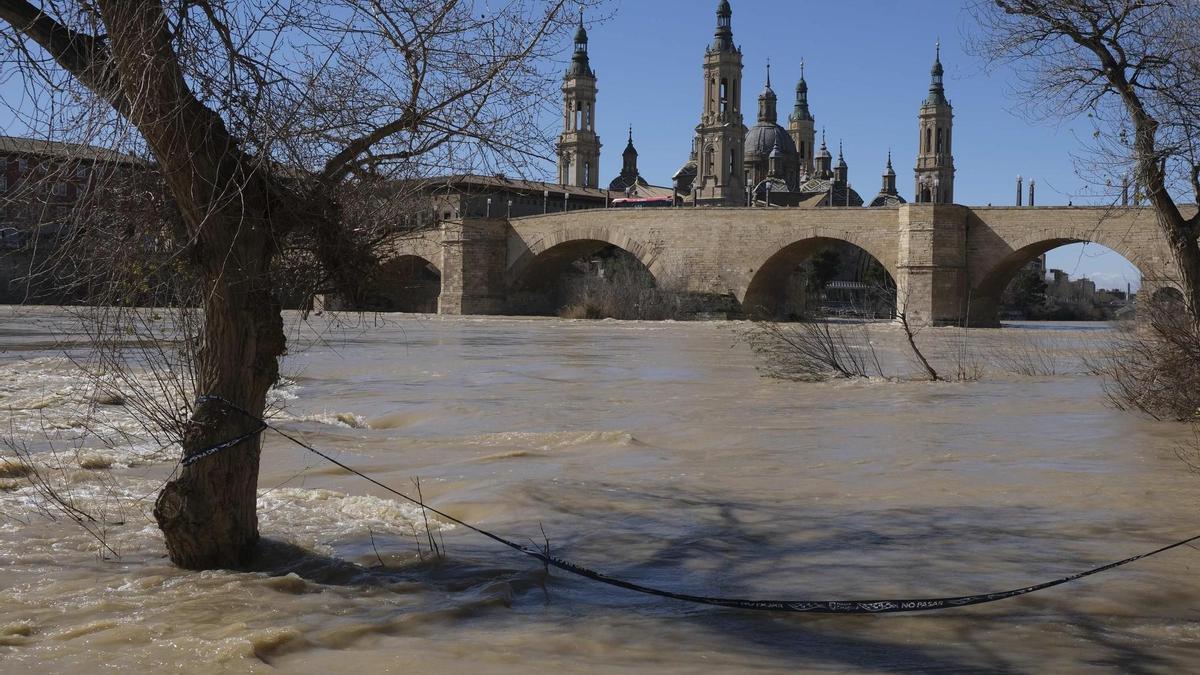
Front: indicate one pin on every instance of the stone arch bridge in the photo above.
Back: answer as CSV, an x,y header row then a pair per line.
x,y
950,263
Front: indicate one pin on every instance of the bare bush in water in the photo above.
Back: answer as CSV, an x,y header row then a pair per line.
x,y
1156,368
814,351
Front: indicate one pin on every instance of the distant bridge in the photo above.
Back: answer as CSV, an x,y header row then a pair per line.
x,y
950,263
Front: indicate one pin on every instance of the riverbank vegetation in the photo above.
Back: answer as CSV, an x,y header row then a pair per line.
x,y
1154,366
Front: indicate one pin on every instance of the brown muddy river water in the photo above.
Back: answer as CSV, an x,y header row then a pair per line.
x,y
654,452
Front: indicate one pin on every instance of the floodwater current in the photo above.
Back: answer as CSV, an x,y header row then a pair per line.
x,y
651,451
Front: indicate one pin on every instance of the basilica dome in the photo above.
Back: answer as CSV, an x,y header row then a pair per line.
x,y
763,138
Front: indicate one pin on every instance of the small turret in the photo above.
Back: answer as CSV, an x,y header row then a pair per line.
x,y
775,162
824,163
841,175
889,178
768,102
630,176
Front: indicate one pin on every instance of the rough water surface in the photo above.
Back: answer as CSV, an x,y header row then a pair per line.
x,y
655,452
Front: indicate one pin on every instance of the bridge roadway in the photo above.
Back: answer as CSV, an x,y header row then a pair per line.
x,y
950,263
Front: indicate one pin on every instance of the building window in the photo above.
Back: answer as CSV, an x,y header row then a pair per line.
x,y
724,95
22,166
59,189
587,173
928,140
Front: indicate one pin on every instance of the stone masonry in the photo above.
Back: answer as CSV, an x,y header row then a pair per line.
x,y
950,262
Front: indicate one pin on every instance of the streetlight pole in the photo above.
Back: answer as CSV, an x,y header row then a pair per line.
x,y
545,202
508,215
566,200
489,208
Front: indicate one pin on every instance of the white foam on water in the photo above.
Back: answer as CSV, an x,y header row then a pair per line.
x,y
312,517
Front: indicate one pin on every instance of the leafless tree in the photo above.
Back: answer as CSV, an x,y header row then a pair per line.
x,y
1133,67
276,132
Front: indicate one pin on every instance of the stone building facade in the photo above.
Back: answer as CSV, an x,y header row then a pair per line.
x,y
41,184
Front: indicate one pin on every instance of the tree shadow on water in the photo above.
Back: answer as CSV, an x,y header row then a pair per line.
x,y
705,544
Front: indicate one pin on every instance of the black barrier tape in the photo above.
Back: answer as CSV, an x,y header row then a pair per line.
x,y
798,606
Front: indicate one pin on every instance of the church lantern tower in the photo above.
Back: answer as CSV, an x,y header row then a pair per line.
x,y
721,134
889,179
578,145
630,176
841,173
803,127
935,160
823,165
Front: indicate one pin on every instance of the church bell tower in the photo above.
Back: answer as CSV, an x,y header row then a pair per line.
x,y
578,145
721,134
803,127
935,161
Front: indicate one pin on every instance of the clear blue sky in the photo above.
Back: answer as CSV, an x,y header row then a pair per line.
x,y
868,71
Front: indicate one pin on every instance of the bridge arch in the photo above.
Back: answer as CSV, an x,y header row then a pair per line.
x,y
549,256
989,283
768,294
405,283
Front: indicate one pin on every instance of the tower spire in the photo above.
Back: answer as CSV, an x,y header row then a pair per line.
x,y
723,38
937,88
580,65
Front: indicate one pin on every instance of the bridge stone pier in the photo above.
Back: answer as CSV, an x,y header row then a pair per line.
x,y
950,263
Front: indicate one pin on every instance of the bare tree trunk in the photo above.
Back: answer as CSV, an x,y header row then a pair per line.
x,y
207,514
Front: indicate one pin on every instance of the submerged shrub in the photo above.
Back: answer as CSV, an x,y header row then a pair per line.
x,y
1156,368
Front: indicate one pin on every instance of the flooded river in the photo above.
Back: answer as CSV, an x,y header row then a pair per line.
x,y
655,452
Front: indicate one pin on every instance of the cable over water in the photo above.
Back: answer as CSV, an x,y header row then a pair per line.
x,y
885,606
